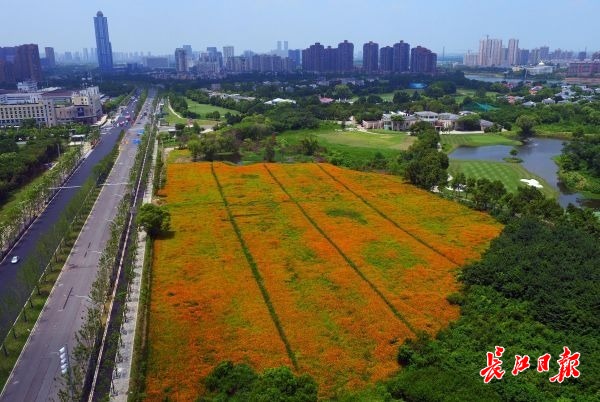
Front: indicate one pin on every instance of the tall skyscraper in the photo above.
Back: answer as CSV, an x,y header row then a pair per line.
x,y
386,58
544,53
422,60
228,54
181,64
330,59
312,58
345,56
103,45
27,63
370,57
513,52
523,56
490,52
295,55
534,56
20,63
401,57
50,58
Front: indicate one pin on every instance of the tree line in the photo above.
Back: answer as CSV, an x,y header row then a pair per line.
x,y
534,291
17,216
51,245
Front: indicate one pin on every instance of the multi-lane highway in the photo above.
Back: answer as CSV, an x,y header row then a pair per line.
x,y
46,220
36,377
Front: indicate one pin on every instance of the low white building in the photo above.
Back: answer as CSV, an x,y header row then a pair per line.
x,y
42,112
51,106
427,116
277,101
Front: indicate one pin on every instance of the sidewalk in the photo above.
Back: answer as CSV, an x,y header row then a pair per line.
x,y
121,375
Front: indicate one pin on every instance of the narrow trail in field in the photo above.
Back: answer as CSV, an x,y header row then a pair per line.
x,y
384,216
255,272
343,255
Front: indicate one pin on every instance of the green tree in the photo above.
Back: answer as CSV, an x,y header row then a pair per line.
x,y
209,145
309,145
228,379
342,91
427,169
527,124
154,219
195,149
401,97
270,144
280,384
470,122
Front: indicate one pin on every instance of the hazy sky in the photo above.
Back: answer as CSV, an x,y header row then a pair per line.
x,y
161,26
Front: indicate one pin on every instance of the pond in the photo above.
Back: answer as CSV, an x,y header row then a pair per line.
x,y
537,157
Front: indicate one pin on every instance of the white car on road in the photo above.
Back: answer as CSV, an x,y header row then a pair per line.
x,y
15,259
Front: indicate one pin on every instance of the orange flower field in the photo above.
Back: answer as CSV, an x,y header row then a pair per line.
x,y
318,268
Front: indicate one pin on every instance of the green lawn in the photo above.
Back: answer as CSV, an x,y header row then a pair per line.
x,y
462,93
202,109
199,108
17,196
508,173
170,117
349,141
452,141
389,96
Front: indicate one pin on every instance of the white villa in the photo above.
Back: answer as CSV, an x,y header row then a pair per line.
x,y
401,121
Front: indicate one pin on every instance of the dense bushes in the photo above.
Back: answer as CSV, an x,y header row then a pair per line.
x,y
240,383
20,165
583,153
535,291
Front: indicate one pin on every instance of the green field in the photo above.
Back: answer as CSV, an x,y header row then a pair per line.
x,y
170,117
199,108
354,142
509,174
17,196
462,93
452,141
202,109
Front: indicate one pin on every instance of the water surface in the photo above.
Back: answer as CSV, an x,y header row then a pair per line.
x,y
537,157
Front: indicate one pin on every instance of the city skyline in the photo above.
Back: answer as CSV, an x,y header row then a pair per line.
x,y
441,30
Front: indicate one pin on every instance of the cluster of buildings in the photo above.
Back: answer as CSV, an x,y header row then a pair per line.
x,y
23,62
213,61
440,121
492,53
398,58
49,106
316,58
585,68
20,63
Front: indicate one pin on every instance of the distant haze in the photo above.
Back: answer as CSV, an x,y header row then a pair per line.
x,y
161,26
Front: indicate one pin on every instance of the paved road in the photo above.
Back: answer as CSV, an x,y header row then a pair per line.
x,y
35,375
45,222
